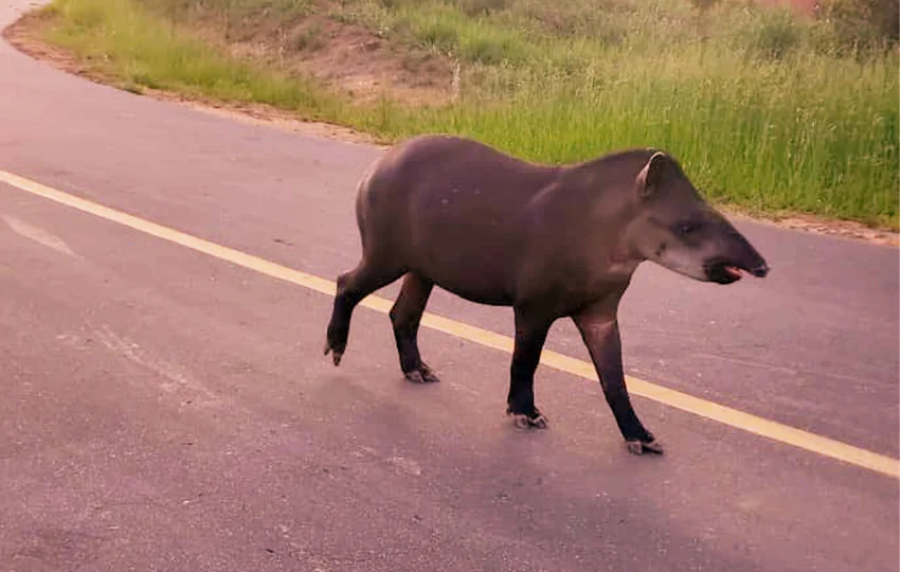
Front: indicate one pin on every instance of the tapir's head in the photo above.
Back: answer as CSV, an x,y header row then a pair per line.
x,y
674,227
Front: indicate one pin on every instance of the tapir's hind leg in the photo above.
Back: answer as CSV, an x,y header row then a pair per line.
x,y
405,316
352,287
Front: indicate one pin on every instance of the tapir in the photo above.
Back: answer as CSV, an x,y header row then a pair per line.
x,y
550,241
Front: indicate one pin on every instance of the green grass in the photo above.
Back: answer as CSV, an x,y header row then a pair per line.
x,y
121,40
768,114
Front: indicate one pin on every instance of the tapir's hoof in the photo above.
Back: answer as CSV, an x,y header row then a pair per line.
x,y
637,447
417,376
422,375
336,356
536,421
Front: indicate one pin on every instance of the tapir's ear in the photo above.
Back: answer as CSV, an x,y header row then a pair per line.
x,y
649,180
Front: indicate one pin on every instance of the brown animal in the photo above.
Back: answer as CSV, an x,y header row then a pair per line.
x,y
549,241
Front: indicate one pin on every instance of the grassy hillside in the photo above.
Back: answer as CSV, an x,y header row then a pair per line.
x,y
768,112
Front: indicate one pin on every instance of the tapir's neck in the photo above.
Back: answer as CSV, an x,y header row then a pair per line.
x,y
604,188
597,198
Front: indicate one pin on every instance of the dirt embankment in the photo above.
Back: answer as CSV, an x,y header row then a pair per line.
x,y
349,58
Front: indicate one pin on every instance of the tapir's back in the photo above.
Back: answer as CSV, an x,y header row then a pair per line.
x,y
432,165
452,200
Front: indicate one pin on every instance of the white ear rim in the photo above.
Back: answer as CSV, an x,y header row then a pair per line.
x,y
647,179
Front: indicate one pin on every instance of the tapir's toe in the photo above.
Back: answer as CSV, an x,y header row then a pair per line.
x,y
654,447
428,375
336,355
414,376
536,421
421,375
638,447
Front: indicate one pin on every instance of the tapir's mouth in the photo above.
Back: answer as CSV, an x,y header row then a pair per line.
x,y
725,272
721,272
734,272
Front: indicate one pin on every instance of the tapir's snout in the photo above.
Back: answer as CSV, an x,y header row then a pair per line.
x,y
752,261
739,256
760,271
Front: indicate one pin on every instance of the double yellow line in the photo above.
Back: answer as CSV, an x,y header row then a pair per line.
x,y
707,409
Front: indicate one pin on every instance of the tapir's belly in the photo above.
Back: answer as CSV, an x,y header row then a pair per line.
x,y
470,278
470,247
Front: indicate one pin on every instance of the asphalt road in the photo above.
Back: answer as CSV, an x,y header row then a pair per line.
x,y
166,410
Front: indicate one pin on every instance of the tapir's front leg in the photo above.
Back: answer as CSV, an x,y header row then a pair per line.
x,y
531,332
600,332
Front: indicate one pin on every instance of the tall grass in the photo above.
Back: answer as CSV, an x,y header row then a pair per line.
x,y
766,112
123,41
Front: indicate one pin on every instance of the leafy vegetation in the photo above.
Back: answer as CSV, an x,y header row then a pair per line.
x,y
768,111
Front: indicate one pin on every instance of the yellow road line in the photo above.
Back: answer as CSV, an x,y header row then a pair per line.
x,y
707,409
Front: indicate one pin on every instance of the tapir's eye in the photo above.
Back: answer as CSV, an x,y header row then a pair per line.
x,y
688,228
